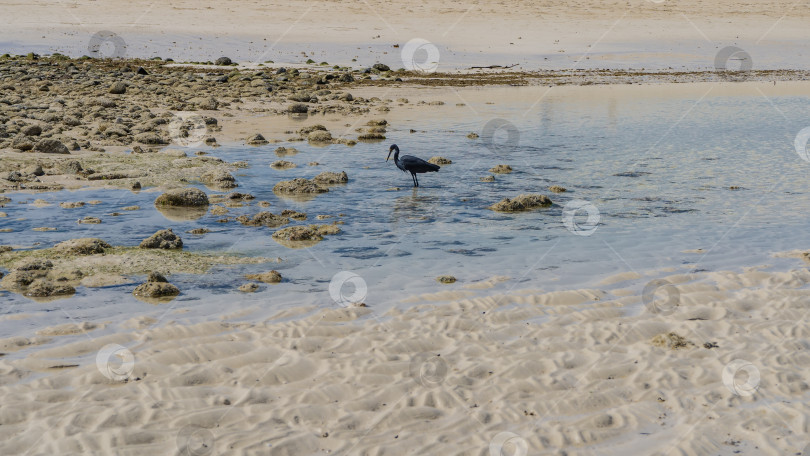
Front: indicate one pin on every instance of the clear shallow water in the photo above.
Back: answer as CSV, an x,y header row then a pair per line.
x,y
657,168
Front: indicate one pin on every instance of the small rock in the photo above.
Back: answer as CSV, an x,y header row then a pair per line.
x,y
51,146
256,140
521,203
298,108
150,138
163,239
473,135
557,189
283,164
89,221
267,277
43,288
118,88
440,161
218,210
199,231
249,287
501,169
218,178
83,246
263,218
488,179
31,130
34,170
285,151
295,215
371,137
320,137
446,279
71,205
71,167
155,276
299,185
239,196
381,67
303,236
329,178
183,197
156,290
223,61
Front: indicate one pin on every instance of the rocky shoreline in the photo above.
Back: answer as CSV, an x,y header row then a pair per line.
x,y
73,123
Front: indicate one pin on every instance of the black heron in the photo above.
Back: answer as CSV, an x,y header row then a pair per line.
x,y
411,164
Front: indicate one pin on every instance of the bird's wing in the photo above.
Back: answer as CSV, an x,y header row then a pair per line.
x,y
416,163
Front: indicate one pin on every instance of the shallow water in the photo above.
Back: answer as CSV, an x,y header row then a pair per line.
x,y
658,169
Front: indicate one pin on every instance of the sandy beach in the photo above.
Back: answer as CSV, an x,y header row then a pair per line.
x,y
203,250
576,372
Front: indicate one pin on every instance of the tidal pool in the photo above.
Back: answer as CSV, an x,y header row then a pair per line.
x,y
669,170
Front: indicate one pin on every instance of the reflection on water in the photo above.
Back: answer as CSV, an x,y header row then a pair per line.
x,y
181,214
667,174
420,205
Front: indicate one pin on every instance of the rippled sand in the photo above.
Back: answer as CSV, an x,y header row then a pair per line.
x,y
573,372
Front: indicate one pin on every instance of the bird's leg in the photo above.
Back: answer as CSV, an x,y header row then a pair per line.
x,y
416,179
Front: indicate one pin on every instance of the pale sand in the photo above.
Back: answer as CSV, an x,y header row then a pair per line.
x,y
663,32
575,372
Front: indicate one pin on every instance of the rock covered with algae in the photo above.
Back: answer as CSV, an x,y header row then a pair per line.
x,y
303,236
520,203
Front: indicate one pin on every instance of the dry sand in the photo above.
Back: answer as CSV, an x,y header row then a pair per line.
x,y
652,32
578,372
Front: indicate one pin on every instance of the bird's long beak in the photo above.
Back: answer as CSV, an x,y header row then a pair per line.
x,y
389,156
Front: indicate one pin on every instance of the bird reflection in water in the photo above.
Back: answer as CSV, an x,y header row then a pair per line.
x,y
419,206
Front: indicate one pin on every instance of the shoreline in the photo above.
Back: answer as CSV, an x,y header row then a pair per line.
x,y
237,94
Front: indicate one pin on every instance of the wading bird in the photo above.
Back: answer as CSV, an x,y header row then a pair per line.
x,y
411,164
